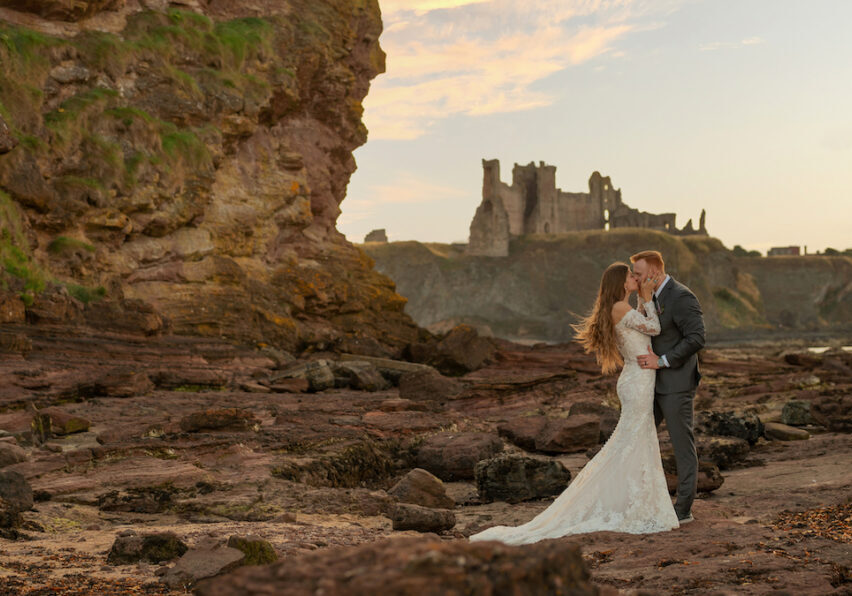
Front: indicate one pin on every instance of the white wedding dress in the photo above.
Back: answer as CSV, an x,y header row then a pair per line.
x,y
623,488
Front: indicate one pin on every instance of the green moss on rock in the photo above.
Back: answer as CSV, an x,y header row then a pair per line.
x,y
256,550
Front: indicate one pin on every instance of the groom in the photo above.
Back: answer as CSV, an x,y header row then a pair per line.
x,y
675,358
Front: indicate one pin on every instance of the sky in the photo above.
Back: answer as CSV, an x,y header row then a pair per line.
x,y
739,107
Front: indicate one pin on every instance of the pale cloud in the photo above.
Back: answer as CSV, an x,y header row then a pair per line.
x,y
486,57
390,7
404,189
730,45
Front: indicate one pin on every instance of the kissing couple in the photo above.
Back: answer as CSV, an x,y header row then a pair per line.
x,y
623,488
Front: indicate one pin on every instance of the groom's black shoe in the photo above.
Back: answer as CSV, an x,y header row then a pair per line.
x,y
685,518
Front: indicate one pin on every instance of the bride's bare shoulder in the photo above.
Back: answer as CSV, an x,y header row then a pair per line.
x,y
619,309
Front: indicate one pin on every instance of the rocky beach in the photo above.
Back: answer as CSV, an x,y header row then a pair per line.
x,y
325,461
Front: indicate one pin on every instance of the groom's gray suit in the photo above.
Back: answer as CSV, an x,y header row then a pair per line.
x,y
681,336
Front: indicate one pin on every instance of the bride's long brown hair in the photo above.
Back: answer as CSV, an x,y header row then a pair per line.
x,y
596,332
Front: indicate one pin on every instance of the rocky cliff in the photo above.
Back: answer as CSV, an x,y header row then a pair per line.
x,y
177,167
547,281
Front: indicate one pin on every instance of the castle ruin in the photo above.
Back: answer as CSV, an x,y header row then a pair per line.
x,y
533,205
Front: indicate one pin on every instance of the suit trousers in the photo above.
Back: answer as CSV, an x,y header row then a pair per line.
x,y
677,410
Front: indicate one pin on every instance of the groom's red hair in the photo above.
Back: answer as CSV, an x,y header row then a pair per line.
x,y
652,257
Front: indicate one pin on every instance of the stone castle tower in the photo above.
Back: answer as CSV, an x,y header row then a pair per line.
x,y
533,205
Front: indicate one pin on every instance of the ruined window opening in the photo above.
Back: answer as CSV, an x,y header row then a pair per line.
x,y
546,228
606,186
606,226
667,225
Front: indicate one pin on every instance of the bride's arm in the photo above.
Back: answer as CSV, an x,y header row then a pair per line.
x,y
647,323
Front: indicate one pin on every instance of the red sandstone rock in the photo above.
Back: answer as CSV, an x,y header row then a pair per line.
x,y
462,350
218,419
417,566
419,487
452,456
407,516
553,435
428,386
65,423
834,412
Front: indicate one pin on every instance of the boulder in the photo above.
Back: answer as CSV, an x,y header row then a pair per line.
x,y
419,487
782,432
428,386
833,412
608,416
64,423
462,351
516,478
416,565
318,373
729,424
709,476
257,551
797,412
552,435
406,516
362,376
234,419
722,451
206,559
10,453
130,548
452,456
15,491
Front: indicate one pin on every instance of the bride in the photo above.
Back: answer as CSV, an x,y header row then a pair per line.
x,y
623,488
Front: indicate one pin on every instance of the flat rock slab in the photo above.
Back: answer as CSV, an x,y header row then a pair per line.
x,y
429,386
202,562
130,472
783,432
218,419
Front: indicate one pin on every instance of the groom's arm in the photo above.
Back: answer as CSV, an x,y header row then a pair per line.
x,y
689,320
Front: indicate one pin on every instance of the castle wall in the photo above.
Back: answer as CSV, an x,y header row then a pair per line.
x,y
533,205
579,211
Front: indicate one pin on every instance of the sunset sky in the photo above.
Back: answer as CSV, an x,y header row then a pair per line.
x,y
741,107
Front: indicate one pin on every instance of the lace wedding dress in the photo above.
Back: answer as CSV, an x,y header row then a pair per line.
x,y
623,488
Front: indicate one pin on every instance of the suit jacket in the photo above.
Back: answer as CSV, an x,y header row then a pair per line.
x,y
681,336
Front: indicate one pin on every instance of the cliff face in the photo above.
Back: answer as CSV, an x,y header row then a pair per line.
x,y
179,167
546,282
